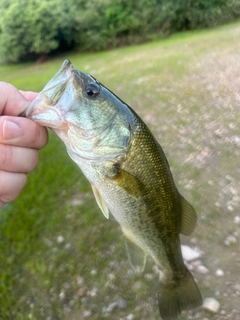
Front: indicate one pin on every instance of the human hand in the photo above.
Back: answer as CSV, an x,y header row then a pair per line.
x,y
20,140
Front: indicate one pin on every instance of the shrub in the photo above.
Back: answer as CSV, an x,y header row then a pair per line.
x,y
33,27
37,27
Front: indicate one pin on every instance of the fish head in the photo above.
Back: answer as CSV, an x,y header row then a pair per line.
x,y
88,117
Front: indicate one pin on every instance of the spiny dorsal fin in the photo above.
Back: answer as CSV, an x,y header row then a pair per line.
x,y
100,202
188,218
136,256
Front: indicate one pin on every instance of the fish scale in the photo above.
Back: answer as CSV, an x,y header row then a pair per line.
x,y
129,174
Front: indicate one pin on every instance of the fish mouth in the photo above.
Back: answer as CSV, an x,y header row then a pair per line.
x,y
48,118
48,108
39,111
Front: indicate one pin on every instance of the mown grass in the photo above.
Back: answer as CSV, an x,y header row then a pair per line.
x,y
60,258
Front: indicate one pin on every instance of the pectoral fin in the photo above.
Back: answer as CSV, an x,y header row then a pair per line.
x,y
132,185
100,202
188,218
136,256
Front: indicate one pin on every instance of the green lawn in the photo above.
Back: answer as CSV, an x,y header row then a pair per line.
x,y
60,258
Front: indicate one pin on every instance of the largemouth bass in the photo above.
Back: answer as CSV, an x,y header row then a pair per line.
x,y
129,175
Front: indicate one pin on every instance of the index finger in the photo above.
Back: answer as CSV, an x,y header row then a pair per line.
x,y
29,95
12,102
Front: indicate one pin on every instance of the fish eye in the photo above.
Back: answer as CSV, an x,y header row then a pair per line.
x,y
92,90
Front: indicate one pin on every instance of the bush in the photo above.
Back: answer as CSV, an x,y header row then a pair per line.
x,y
105,23
33,27
38,27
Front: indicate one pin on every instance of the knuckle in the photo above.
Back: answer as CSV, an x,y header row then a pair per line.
x,y
6,155
5,86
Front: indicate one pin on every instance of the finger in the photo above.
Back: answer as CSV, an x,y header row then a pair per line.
x,y
12,102
17,159
22,132
29,95
11,185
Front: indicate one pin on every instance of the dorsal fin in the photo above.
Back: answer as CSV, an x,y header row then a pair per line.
x,y
100,202
188,218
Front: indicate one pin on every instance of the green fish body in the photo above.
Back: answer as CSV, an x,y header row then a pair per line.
x,y
129,175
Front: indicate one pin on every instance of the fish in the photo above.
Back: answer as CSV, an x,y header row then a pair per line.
x,y
129,175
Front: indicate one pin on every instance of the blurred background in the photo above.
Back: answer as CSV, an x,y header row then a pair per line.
x,y
177,64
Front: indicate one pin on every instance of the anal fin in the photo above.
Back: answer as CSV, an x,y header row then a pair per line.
x,y
100,202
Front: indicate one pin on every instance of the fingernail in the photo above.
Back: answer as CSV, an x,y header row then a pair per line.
x,y
11,130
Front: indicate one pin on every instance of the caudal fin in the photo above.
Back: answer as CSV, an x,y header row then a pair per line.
x,y
174,299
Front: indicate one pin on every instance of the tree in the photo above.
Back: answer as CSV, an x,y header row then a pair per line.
x,y
33,27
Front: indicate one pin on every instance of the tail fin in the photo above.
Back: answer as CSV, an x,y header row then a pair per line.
x,y
183,296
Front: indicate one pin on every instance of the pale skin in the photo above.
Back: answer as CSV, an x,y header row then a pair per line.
x,y
20,141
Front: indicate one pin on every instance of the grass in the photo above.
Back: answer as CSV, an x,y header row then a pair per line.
x,y
60,258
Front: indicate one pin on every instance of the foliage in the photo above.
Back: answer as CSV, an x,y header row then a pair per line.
x,y
195,14
32,27
37,27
